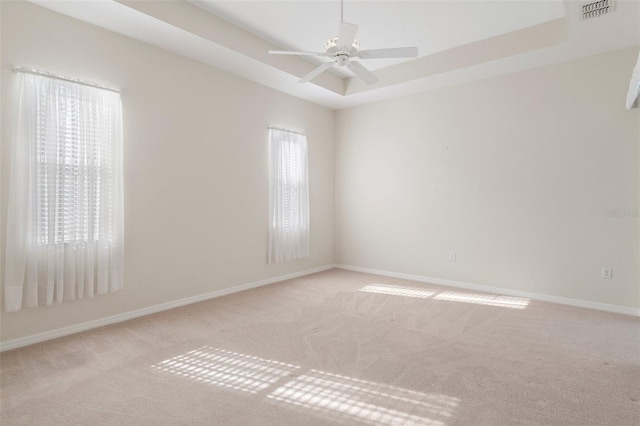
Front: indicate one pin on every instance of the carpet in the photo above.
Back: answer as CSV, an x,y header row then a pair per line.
x,y
337,347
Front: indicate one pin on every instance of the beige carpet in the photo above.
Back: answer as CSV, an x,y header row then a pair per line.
x,y
337,347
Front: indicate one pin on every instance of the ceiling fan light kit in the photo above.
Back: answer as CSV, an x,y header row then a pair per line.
x,y
332,43
343,48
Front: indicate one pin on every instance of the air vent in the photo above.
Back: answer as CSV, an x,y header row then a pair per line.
x,y
597,8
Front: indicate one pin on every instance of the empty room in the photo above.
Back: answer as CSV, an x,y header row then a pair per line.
x,y
320,212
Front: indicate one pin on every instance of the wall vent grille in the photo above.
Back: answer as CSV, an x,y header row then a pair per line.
x,y
597,8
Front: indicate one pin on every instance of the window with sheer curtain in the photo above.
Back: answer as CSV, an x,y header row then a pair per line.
x,y
289,196
65,219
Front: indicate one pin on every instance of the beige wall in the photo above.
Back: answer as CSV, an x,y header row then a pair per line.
x,y
512,173
195,165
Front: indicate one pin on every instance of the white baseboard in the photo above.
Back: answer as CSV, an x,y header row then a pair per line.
x,y
76,328
65,331
503,291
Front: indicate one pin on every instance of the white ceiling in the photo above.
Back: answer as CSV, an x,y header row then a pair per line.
x,y
432,26
458,41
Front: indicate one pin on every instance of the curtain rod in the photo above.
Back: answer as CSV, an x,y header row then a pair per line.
x,y
63,78
286,130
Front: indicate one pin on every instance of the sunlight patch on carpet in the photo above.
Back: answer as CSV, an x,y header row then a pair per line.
x,y
227,369
397,290
451,296
329,395
365,402
484,299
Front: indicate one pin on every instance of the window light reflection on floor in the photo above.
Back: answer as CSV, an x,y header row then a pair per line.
x,y
451,296
397,290
333,396
365,402
484,299
227,369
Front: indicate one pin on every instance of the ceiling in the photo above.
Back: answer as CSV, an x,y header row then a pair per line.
x,y
458,41
432,26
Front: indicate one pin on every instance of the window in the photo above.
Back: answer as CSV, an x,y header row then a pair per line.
x,y
64,239
289,196
74,145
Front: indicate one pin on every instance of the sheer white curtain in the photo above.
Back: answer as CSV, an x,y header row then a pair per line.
x,y
65,219
633,95
289,196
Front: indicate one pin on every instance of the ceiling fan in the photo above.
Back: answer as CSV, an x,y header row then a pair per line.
x,y
343,48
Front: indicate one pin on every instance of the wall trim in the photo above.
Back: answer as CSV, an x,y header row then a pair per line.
x,y
101,322
498,290
89,325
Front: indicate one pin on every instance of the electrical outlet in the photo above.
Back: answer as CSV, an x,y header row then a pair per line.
x,y
452,257
607,272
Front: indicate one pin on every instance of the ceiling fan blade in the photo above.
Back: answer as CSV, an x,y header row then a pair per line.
x,y
361,72
313,74
393,52
289,52
347,34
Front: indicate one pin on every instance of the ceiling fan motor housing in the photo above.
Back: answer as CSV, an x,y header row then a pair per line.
x,y
341,59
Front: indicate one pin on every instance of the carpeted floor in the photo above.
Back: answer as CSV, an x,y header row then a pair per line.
x,y
337,347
